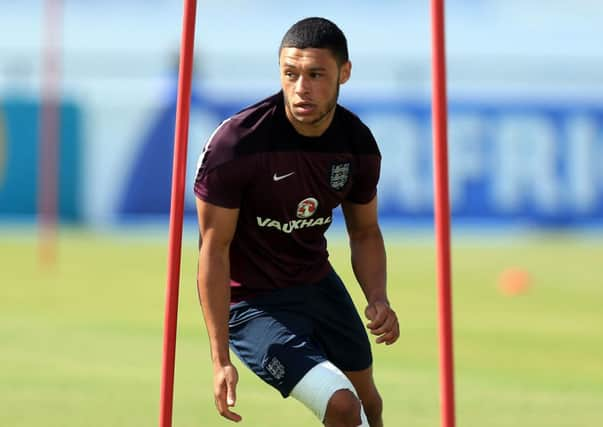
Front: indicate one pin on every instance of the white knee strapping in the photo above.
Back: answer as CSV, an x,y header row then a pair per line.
x,y
315,389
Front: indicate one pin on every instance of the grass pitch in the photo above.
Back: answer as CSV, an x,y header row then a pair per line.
x,y
81,342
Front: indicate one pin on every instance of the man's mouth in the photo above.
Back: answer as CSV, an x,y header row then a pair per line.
x,y
304,107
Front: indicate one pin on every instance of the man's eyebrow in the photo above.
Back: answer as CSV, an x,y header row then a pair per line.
x,y
315,68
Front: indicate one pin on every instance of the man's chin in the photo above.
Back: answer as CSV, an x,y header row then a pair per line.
x,y
305,119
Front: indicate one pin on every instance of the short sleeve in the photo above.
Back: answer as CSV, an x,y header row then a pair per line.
x,y
223,185
222,175
365,179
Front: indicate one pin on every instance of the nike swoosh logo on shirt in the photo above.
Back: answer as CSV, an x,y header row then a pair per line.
x,y
275,177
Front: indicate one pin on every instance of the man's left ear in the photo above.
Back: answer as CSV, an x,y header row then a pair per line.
x,y
345,72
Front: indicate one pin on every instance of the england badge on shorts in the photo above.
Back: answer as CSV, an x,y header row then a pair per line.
x,y
340,173
276,368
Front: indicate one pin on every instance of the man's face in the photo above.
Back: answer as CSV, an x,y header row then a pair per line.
x,y
310,79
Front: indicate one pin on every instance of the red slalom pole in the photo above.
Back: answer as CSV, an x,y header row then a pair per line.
x,y
442,211
177,212
49,133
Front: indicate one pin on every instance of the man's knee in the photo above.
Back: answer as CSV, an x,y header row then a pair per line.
x,y
331,396
343,410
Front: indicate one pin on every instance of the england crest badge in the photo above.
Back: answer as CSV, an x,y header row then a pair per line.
x,y
340,173
276,368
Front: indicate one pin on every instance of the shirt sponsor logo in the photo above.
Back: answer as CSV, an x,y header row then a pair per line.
x,y
294,224
340,173
307,207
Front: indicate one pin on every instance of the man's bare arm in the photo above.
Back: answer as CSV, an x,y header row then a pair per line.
x,y
217,226
369,265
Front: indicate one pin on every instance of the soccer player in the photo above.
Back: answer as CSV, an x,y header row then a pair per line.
x,y
267,182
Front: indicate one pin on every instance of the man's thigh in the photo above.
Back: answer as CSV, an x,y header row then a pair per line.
x,y
338,326
276,345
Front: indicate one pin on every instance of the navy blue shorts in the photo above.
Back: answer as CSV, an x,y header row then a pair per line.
x,y
283,334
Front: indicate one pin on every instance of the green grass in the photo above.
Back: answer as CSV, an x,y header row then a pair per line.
x,y
80,344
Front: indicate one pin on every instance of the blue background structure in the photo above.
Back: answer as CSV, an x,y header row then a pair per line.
x,y
530,162
20,152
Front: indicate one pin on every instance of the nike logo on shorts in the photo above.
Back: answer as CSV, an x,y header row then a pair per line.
x,y
275,177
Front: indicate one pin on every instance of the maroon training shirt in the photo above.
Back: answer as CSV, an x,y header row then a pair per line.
x,y
286,186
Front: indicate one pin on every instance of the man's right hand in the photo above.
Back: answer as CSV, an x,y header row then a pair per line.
x,y
225,383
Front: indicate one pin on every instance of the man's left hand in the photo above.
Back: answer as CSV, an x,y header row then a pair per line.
x,y
383,322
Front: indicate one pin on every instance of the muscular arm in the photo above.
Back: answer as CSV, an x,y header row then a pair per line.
x,y
217,226
369,265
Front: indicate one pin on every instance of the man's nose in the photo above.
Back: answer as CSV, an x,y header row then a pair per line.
x,y
302,85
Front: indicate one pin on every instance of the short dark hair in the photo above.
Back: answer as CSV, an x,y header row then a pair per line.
x,y
319,33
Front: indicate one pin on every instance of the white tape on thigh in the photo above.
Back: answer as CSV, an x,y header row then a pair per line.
x,y
315,389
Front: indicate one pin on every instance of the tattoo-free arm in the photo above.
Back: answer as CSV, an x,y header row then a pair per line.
x,y
369,265
217,226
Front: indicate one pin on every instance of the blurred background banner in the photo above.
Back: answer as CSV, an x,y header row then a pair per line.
x,y
19,159
530,161
147,188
